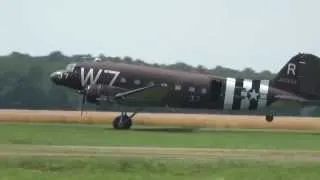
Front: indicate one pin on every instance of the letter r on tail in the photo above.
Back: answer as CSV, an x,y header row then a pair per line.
x,y
291,69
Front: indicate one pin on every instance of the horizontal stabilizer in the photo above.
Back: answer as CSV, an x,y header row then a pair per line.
x,y
298,99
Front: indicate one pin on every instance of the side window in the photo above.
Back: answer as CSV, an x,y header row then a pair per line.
x,y
76,71
177,87
192,89
70,67
203,91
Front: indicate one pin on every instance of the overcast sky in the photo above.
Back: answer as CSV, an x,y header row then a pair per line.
x,y
231,33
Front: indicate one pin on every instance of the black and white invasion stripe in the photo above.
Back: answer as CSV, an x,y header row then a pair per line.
x,y
245,94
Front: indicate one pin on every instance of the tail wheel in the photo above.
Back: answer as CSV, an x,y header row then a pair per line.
x,y
269,117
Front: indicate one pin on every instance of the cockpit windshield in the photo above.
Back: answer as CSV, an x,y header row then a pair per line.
x,y
70,67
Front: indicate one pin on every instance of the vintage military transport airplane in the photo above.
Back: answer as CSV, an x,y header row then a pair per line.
x,y
120,83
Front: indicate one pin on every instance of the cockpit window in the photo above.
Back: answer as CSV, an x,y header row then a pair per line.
x,y
70,67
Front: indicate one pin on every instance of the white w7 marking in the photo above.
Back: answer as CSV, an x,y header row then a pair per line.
x,y
93,79
116,74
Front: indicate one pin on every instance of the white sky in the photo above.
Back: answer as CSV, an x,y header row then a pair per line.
x,y
232,33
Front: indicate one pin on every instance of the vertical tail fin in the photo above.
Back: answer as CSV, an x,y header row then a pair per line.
x,y
300,76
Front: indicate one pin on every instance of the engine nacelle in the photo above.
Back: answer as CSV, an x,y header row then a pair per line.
x,y
93,93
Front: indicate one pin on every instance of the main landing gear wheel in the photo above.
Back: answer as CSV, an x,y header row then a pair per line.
x,y
122,121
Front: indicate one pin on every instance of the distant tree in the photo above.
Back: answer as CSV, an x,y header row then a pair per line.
x,y
56,56
128,60
201,69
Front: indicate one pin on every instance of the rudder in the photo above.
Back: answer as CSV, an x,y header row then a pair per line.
x,y
300,76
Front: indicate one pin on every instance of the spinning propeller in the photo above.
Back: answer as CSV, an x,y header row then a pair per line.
x,y
84,93
89,93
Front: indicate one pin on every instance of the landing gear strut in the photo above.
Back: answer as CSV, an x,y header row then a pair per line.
x,y
123,121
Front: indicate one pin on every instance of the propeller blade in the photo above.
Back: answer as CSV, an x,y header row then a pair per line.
x,y
83,101
82,105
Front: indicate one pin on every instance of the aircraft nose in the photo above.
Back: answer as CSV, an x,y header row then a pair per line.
x,y
56,77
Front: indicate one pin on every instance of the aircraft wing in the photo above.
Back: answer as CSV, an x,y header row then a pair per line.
x,y
134,91
149,94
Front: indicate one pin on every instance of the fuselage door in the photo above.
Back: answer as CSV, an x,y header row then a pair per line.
x,y
215,90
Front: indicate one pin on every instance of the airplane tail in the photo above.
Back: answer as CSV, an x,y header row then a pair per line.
x,y
300,76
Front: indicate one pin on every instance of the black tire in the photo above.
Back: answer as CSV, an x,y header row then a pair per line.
x,y
126,122
269,117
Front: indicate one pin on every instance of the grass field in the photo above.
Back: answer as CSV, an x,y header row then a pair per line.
x,y
63,134
154,169
86,167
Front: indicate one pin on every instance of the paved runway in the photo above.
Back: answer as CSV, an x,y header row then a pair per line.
x,y
176,153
